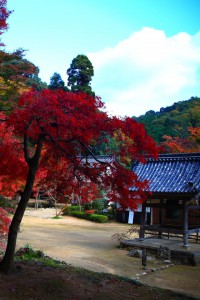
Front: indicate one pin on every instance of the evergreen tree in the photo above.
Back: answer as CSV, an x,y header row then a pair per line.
x,y
80,75
56,82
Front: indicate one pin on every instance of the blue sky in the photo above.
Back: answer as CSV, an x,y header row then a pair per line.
x,y
145,53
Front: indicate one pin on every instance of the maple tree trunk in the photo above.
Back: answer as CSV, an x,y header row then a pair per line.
x,y
6,264
62,209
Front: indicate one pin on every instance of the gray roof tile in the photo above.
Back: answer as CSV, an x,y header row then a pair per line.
x,y
171,173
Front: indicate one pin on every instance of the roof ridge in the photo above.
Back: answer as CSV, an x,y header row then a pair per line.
x,y
180,154
176,157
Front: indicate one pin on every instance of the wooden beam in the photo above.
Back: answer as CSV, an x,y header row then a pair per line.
x,y
194,230
195,206
156,228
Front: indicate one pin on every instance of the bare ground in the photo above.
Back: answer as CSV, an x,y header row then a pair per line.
x,y
37,282
88,245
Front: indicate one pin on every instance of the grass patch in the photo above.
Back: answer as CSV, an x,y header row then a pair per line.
x,y
57,217
29,254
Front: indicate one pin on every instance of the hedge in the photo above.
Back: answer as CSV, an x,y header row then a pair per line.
x,y
86,216
75,212
98,218
70,209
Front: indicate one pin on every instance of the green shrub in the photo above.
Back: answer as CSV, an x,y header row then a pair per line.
x,y
98,218
70,209
28,253
79,214
87,206
90,217
75,212
4,202
99,204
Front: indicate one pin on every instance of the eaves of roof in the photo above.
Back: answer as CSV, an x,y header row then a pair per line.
x,y
98,158
172,173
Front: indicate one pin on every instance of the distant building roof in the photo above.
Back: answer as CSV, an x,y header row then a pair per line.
x,y
171,173
98,158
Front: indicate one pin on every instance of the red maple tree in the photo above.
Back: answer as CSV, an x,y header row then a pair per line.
x,y
4,14
53,128
65,180
12,167
4,227
183,145
15,71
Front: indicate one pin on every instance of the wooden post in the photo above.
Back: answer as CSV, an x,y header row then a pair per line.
x,y
144,258
151,215
160,219
142,222
185,225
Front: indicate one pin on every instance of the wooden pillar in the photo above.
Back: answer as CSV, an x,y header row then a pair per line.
x,y
142,222
151,215
160,219
185,225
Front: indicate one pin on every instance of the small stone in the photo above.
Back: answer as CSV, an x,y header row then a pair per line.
x,y
167,261
135,253
153,270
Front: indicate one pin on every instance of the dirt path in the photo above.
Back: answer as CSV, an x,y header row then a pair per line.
x,y
89,245
78,242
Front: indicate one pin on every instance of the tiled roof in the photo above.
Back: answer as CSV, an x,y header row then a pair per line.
x,y
171,173
98,158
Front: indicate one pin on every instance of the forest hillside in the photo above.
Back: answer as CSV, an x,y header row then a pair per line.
x,y
173,120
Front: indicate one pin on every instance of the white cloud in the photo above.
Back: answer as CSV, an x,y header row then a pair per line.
x,y
147,71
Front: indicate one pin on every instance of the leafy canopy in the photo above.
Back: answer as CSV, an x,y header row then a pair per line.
x,y
80,75
56,82
68,124
183,145
4,14
47,132
17,75
173,120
